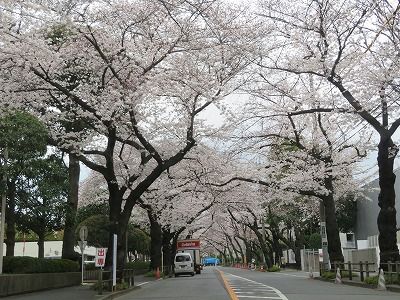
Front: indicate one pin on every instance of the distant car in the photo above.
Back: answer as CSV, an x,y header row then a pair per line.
x,y
183,264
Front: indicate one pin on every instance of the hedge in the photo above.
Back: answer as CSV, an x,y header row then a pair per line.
x,y
138,265
27,265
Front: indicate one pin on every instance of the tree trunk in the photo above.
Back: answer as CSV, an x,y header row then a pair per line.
x,y
41,244
332,230
68,251
387,225
10,219
298,245
167,251
156,243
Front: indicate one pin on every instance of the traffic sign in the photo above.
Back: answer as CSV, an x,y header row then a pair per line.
x,y
83,233
82,245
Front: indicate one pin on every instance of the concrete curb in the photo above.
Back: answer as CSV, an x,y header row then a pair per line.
x,y
360,284
117,293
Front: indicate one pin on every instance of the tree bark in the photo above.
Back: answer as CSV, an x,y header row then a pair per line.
x,y
332,230
10,219
156,243
68,251
387,224
167,251
41,244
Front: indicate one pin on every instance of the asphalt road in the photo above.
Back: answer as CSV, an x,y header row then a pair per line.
x,y
205,286
253,285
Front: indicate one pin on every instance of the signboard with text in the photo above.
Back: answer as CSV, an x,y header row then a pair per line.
x,y
100,257
188,245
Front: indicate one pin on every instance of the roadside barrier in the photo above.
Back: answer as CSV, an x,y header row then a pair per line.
x,y
381,281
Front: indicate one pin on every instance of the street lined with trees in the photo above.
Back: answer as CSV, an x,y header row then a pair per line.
x,y
305,91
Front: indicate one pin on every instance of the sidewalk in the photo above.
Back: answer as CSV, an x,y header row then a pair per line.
x,y
84,292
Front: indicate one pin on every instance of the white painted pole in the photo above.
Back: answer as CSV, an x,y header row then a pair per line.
x,y
162,260
83,261
3,209
115,261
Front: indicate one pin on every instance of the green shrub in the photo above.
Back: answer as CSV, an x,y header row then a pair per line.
x,y
329,275
274,268
332,274
138,265
373,280
153,274
27,265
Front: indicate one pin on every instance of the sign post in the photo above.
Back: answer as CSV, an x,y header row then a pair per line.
x,y
114,261
83,233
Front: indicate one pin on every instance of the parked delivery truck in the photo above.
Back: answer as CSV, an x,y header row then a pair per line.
x,y
193,248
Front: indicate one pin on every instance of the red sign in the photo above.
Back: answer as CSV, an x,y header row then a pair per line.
x,y
100,257
188,244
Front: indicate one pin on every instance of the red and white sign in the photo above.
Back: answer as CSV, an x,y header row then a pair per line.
x,y
100,257
188,245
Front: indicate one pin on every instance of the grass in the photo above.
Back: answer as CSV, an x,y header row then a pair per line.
x,y
274,268
332,275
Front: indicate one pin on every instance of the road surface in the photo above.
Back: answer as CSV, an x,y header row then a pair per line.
x,y
252,285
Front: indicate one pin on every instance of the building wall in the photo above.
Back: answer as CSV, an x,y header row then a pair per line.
x,y
51,249
368,209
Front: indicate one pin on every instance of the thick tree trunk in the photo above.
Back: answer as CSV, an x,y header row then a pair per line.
x,y
387,225
10,219
332,230
167,251
156,243
41,244
68,251
298,245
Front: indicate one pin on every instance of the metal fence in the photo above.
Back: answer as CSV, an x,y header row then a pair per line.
x,y
365,269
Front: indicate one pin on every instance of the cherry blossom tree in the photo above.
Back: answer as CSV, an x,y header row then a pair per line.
x,y
353,48
137,75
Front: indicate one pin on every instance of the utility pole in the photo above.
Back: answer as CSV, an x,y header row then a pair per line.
x,y
3,207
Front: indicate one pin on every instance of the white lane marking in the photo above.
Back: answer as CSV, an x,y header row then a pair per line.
x,y
278,292
262,297
143,283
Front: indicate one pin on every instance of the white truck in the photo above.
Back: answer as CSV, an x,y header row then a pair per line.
x,y
193,248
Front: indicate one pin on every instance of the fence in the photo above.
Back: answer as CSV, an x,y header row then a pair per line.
x,y
103,279
365,269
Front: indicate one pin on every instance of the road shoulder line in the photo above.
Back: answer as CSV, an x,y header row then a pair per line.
x,y
228,288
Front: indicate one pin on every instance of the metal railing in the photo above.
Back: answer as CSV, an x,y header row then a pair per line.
x,y
365,269
103,279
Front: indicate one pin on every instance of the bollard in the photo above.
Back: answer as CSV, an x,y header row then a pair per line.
x,y
361,272
338,278
381,281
